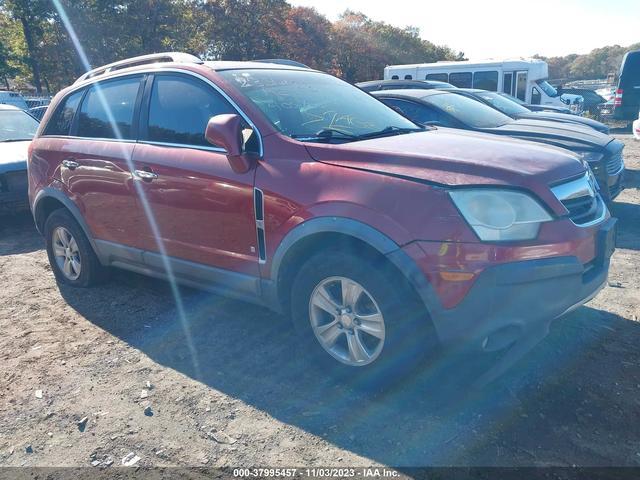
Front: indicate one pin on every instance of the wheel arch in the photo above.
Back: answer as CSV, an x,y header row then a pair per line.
x,y
325,232
50,199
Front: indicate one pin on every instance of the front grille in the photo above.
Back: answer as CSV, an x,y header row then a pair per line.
x,y
582,209
614,164
580,199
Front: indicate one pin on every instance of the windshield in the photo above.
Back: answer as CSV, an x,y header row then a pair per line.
x,y
468,111
503,104
312,106
15,125
547,88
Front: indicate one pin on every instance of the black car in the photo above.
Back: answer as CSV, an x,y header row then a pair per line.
x,y
591,98
626,102
517,111
538,108
375,85
448,109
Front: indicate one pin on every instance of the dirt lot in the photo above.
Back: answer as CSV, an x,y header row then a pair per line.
x,y
245,396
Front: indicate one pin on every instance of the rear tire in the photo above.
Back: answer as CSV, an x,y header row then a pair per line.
x,y
359,319
71,256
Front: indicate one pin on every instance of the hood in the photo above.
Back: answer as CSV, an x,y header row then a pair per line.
x,y
566,118
454,157
565,135
13,156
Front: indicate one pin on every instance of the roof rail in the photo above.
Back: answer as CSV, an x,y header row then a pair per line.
x,y
282,61
141,60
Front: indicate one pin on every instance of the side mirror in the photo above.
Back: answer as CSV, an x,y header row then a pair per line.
x,y
226,131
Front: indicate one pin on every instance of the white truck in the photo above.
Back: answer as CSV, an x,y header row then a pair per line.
x,y
525,79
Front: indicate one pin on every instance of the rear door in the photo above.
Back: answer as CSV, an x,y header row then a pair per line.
x,y
203,210
629,87
96,159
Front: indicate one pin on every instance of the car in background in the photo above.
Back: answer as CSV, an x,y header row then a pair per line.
x,y
375,85
626,102
17,128
13,98
517,111
636,128
539,108
38,112
590,97
297,191
445,108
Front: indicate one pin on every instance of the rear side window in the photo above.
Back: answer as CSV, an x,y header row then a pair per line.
x,y
60,121
486,81
107,109
460,79
440,77
180,108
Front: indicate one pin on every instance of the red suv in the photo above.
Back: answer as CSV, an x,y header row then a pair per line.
x,y
292,189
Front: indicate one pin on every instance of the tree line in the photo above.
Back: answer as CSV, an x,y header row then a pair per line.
x,y
597,64
38,48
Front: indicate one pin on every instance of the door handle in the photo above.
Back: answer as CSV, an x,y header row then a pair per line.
x,y
145,175
70,164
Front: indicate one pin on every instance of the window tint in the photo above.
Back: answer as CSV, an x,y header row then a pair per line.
x,y
180,108
467,111
60,121
440,77
417,112
107,109
461,79
486,81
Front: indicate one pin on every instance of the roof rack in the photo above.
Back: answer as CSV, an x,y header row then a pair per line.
x,y
141,60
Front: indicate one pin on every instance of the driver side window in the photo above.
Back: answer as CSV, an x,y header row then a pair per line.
x,y
180,108
417,112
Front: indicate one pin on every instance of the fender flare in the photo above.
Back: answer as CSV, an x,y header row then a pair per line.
x,y
58,195
361,231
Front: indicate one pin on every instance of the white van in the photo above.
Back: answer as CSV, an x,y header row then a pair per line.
x,y
13,98
525,79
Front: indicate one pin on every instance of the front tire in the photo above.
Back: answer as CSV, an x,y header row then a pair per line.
x,y
359,318
71,256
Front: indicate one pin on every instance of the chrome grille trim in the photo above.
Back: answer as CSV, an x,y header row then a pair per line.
x,y
581,199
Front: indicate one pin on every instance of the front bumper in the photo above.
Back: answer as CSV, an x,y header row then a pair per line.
x,y
515,302
13,192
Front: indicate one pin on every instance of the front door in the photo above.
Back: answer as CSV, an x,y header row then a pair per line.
x,y
200,210
521,86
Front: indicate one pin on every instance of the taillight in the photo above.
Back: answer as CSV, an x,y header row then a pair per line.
x,y
617,100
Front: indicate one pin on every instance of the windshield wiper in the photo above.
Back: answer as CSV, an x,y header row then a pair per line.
x,y
391,130
16,140
326,134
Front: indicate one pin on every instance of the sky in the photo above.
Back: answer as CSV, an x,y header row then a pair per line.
x,y
503,29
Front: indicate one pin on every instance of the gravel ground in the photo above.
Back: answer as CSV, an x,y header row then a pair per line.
x,y
78,369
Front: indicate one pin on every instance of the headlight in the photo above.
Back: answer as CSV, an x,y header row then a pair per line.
x,y
500,215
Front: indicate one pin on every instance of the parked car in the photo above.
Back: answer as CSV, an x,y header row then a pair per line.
x,y
605,111
448,109
626,102
374,85
539,108
13,98
17,128
636,127
292,189
38,112
591,97
517,111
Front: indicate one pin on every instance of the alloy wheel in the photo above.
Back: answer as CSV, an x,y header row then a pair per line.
x,y
66,253
347,321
